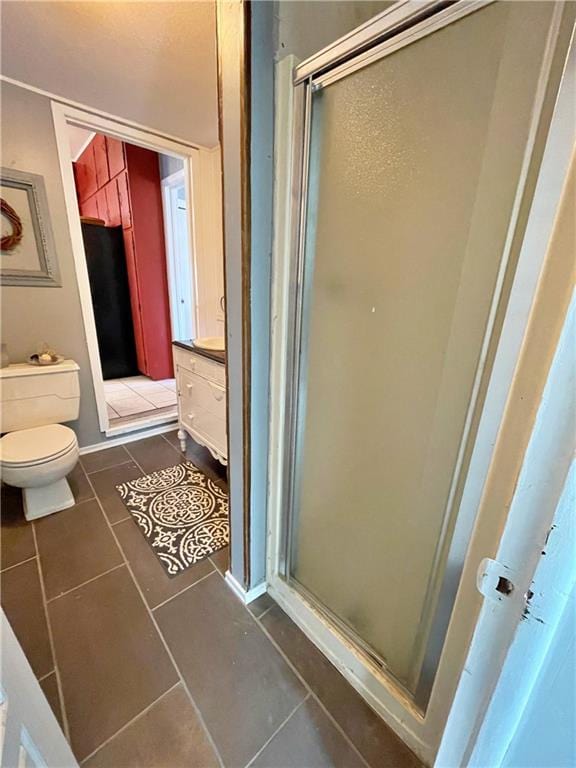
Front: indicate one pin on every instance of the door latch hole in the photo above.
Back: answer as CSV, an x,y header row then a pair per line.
x,y
504,586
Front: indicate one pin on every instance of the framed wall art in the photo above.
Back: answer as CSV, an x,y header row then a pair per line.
x,y
27,253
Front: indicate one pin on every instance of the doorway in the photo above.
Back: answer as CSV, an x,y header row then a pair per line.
x,y
129,199
129,257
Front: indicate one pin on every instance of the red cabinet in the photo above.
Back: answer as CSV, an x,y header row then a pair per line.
x,y
124,200
132,270
120,183
116,162
102,205
89,208
101,160
85,174
147,230
113,203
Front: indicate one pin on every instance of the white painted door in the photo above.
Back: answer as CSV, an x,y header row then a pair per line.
x,y
30,736
179,258
183,282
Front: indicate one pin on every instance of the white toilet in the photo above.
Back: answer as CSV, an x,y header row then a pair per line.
x,y
38,451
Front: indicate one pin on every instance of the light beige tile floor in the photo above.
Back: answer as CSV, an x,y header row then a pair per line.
x,y
138,394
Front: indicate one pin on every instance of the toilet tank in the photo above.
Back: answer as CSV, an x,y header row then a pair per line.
x,y
32,396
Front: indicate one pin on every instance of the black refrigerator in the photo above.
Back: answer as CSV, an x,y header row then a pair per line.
x,y
106,261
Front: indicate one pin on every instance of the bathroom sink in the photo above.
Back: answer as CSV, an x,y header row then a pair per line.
x,y
210,343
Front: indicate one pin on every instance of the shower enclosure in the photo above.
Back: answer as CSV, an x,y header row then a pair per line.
x,y
416,141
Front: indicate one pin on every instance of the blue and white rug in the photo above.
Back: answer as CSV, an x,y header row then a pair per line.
x,y
181,512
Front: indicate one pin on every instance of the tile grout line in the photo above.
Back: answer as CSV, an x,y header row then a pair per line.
x,y
326,711
52,672
209,472
310,692
51,640
156,626
184,589
277,731
320,703
22,562
117,522
129,723
173,446
265,611
140,465
304,682
104,469
83,584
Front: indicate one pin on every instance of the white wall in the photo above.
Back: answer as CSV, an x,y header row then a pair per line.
x,y
153,63
79,138
169,165
546,737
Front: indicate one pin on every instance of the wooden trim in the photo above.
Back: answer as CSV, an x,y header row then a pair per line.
x,y
244,83
129,125
245,104
224,252
247,596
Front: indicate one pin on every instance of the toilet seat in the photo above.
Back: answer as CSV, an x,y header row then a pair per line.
x,y
36,446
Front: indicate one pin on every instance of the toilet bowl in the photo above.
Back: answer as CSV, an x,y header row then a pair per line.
x,y
37,451
38,460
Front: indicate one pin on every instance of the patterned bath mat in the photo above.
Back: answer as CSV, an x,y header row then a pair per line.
x,y
181,512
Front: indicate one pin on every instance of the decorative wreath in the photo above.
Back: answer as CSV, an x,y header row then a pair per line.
x,y
9,242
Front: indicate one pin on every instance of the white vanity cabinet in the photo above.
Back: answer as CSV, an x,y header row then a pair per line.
x,y
201,386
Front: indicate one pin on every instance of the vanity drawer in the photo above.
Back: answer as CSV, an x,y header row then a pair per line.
x,y
208,427
198,394
208,369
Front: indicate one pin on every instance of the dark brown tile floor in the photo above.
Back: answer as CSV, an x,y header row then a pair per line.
x,y
147,671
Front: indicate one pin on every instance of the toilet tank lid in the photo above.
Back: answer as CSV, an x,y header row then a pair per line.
x,y
27,369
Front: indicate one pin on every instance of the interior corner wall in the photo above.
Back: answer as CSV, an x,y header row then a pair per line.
x,y
230,35
169,165
32,315
261,193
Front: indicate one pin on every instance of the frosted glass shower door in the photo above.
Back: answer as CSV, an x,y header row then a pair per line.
x,y
414,166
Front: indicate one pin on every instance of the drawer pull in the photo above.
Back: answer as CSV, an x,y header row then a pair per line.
x,y
218,393
191,416
192,364
189,387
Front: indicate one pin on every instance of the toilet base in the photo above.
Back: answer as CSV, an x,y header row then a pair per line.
x,y
46,499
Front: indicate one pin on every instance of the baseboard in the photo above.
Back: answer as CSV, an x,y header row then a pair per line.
x,y
129,437
155,418
247,596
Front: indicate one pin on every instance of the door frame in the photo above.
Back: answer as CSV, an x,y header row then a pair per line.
x,y
421,731
167,184
63,114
